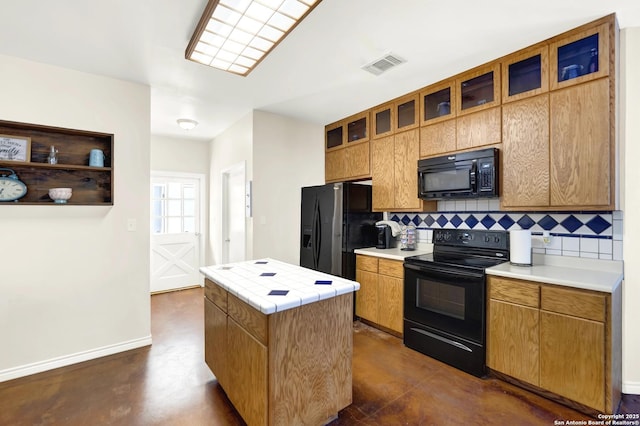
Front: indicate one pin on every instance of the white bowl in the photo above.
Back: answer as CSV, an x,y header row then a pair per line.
x,y
60,195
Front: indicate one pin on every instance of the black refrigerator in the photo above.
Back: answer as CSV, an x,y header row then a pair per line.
x,y
336,219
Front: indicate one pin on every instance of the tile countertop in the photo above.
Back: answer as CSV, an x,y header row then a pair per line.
x,y
587,274
395,253
273,286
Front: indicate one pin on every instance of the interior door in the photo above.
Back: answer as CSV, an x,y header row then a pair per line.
x,y
175,232
233,214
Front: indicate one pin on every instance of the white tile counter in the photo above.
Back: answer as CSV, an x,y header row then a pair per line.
x,y
587,274
395,253
273,286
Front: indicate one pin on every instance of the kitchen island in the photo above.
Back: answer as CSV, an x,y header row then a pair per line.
x,y
278,338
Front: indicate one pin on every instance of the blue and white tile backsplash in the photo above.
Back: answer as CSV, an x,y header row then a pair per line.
x,y
595,235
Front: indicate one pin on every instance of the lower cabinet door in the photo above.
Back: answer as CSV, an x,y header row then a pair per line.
x,y
390,291
513,340
572,359
367,296
215,340
247,374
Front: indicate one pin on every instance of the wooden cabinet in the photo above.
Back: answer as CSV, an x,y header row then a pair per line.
x,y
478,129
383,119
437,119
90,185
580,146
380,298
290,367
394,173
583,55
525,153
407,111
514,334
478,89
525,73
565,141
563,341
347,149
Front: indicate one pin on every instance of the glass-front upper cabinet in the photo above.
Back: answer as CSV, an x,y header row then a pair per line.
x,y
407,111
435,102
334,135
478,89
580,57
383,118
525,73
357,127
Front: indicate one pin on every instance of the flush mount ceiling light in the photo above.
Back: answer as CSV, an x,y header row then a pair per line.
x,y
187,124
235,35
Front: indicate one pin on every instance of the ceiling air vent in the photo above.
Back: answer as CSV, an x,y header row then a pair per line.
x,y
381,65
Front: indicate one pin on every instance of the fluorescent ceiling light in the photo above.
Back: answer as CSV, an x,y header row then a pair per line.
x,y
186,123
235,35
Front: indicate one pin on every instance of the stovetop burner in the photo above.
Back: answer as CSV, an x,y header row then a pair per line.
x,y
466,248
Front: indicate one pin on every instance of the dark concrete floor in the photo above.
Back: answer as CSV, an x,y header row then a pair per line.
x,y
169,384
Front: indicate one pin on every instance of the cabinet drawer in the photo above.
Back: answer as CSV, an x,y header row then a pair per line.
x,y
515,291
367,263
216,294
253,321
391,268
577,303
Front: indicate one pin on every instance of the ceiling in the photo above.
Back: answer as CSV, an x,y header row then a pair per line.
x,y
314,74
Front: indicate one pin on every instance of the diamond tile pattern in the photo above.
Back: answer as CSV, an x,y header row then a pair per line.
x,y
596,225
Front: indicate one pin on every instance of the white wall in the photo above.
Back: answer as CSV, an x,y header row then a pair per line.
x,y
231,147
630,153
74,283
288,154
179,155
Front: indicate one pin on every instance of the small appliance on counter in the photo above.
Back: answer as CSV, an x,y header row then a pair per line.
x,y
387,230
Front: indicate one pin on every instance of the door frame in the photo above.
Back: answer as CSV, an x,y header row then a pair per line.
x,y
224,249
202,210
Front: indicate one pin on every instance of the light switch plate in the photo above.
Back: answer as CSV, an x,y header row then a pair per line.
x,y
131,225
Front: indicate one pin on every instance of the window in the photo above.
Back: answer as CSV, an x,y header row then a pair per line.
x,y
173,208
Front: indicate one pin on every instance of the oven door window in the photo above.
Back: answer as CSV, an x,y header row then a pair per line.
x,y
441,298
446,300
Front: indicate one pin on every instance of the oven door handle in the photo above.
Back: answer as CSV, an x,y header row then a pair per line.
x,y
442,271
443,339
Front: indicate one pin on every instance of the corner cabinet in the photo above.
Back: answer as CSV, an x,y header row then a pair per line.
x,y
91,185
347,149
564,342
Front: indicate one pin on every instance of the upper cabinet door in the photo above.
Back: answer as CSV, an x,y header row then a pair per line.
x,y
478,89
407,111
357,127
334,135
580,57
383,118
525,74
436,101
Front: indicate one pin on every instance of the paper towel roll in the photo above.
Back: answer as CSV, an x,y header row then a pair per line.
x,y
520,247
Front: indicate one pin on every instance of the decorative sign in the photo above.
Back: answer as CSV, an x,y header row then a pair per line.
x,y
15,148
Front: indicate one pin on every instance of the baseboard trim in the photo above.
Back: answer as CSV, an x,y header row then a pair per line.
x,y
63,361
631,388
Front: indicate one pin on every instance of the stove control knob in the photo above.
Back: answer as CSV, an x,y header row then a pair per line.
x,y
496,239
487,239
447,236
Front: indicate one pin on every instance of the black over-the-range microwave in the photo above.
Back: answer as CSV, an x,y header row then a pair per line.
x,y
465,175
